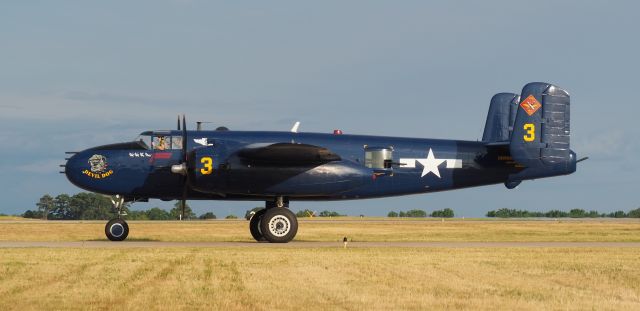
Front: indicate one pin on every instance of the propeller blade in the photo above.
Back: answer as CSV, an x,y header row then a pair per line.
x,y
184,137
183,204
185,191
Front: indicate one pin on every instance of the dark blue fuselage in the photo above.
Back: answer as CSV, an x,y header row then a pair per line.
x,y
412,166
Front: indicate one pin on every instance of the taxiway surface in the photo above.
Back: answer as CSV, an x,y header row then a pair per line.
x,y
302,244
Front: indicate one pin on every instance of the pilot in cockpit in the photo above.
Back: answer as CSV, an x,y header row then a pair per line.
x,y
160,143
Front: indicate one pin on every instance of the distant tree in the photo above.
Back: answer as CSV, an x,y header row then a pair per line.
x,y
416,213
231,217
177,210
445,213
392,214
556,214
329,214
504,213
158,214
137,215
305,213
593,214
514,213
617,214
577,213
208,215
634,213
45,204
87,205
31,214
61,209
402,214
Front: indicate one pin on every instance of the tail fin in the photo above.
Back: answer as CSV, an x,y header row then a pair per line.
x,y
501,116
540,139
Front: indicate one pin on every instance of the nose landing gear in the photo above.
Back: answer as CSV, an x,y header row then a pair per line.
x,y
275,223
117,229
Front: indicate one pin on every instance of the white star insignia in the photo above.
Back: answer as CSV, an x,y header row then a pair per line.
x,y
430,164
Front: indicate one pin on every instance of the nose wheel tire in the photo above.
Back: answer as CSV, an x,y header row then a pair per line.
x,y
116,230
254,225
278,225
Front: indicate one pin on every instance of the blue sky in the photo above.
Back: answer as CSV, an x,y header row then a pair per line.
x,y
75,74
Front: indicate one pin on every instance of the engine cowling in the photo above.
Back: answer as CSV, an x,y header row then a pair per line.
x,y
208,168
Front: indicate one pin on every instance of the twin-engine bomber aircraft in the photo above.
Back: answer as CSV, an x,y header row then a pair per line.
x,y
525,137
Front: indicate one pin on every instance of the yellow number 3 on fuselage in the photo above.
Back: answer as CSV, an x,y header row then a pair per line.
x,y
531,132
208,166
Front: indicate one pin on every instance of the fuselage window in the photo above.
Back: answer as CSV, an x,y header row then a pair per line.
x,y
176,142
378,157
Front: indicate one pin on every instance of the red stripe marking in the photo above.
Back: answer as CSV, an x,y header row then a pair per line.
x,y
163,155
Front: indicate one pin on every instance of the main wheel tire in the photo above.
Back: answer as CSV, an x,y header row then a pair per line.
x,y
116,230
254,225
278,225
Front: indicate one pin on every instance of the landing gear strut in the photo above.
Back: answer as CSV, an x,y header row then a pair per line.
x,y
275,223
117,229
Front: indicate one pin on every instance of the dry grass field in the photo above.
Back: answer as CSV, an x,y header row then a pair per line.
x,y
369,278
369,230
320,279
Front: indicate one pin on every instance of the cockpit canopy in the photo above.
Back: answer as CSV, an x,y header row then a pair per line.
x,y
160,140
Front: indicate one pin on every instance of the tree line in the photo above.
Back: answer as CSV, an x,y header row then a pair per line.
x,y
574,213
444,213
92,206
325,213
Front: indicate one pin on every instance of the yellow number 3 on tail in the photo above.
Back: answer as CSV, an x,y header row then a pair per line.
x,y
531,132
208,166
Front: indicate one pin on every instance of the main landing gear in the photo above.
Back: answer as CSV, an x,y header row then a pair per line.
x,y
275,223
117,229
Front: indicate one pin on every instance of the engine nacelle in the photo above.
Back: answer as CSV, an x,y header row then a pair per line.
x,y
208,168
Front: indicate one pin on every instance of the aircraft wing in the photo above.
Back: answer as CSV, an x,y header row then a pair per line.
x,y
287,154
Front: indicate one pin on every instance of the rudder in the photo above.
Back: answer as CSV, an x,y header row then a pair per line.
x,y
540,139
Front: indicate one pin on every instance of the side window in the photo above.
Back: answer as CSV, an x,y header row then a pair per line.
x,y
161,142
176,142
378,157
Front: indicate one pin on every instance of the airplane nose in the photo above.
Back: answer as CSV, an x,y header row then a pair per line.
x,y
72,166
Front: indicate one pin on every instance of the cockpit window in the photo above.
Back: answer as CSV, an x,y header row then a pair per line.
x,y
161,142
144,139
